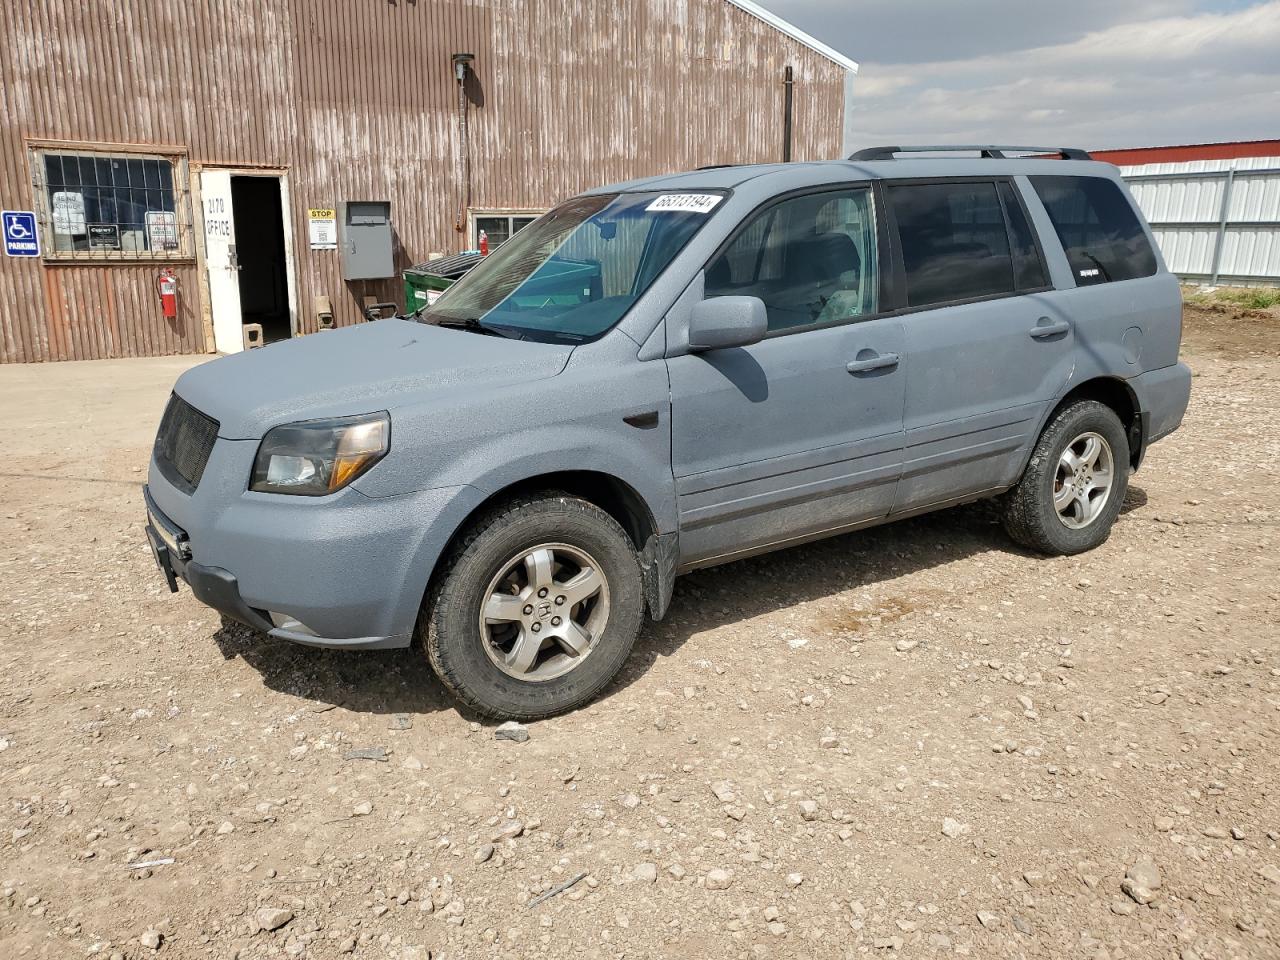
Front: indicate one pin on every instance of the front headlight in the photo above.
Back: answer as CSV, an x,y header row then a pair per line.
x,y
318,457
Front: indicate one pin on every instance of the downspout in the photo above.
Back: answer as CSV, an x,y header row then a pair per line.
x,y
461,64
788,84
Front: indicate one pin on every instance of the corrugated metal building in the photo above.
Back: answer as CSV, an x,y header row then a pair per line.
x,y
1214,208
218,137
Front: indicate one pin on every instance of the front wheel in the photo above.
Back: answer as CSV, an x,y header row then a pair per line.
x,y
1074,485
536,609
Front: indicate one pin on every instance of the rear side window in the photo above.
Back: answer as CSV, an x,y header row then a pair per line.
x,y
1100,233
954,242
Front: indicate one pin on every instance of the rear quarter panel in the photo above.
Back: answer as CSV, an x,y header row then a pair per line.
x,y
1122,329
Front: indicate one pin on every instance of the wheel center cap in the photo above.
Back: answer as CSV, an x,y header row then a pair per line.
x,y
542,610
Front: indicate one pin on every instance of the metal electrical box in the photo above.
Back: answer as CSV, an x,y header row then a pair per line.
x,y
365,239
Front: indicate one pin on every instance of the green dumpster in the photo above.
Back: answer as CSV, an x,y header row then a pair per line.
x,y
424,282
559,281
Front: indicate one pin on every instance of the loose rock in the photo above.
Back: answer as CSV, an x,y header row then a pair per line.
x,y
515,732
718,879
272,918
723,790
1141,881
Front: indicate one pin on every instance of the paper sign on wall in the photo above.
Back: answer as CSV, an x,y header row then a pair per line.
x,y
162,230
322,228
68,212
685,202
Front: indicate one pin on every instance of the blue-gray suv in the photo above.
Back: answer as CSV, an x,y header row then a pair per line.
x,y
672,373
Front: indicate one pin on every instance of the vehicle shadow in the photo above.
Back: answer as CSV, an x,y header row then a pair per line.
x,y
745,589
401,681
739,591
370,681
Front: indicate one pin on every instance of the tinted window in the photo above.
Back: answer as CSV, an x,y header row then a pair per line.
x,y
1100,232
954,242
1028,271
811,259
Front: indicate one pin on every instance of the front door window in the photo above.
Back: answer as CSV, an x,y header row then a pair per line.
x,y
811,259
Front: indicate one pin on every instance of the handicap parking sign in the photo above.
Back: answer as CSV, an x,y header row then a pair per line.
x,y
20,237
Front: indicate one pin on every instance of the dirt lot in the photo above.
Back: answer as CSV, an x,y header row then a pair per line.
x,y
908,742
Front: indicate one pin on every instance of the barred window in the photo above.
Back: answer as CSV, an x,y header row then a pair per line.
x,y
97,205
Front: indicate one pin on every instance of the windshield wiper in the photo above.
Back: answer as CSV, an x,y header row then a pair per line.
x,y
1106,275
473,324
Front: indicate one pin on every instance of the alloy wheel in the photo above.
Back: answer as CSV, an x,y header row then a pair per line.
x,y
544,611
1085,476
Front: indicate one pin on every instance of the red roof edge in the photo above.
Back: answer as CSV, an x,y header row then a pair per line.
x,y
1191,151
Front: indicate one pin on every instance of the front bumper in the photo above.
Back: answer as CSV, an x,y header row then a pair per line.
x,y
219,589
346,571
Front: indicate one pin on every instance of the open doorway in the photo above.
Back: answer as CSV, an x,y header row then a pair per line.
x,y
264,285
247,253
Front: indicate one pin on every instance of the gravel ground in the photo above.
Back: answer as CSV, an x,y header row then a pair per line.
x,y
913,741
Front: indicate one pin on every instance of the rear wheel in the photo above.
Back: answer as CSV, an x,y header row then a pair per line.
x,y
1075,483
536,609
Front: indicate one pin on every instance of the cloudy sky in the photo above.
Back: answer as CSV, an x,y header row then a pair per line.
x,y
1090,73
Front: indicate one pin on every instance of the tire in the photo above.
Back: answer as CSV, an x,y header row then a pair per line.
x,y
1031,516
497,665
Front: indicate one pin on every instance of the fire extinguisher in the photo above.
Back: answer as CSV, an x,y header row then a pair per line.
x,y
484,244
167,284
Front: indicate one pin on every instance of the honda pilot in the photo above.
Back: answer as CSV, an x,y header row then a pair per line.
x,y
668,374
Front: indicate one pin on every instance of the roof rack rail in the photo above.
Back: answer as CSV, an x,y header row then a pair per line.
x,y
987,151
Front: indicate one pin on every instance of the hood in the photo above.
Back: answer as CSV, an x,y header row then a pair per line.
x,y
360,369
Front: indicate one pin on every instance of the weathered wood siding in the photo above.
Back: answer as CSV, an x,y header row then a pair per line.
x,y
355,100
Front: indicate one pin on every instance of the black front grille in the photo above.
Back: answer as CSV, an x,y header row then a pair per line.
x,y
184,442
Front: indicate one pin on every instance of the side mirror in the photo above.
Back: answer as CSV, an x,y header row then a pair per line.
x,y
721,322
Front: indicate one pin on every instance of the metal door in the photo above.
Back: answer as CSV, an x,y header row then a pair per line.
x,y
220,261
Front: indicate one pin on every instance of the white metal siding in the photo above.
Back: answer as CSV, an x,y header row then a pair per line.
x,y
1184,204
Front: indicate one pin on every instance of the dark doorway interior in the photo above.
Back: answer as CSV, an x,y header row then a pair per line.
x,y
264,287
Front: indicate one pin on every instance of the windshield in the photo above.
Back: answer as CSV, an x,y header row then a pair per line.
x,y
572,274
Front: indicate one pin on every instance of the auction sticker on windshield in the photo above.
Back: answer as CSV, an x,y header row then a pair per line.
x,y
685,202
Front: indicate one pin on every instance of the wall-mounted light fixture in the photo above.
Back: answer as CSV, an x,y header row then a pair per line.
x,y
461,61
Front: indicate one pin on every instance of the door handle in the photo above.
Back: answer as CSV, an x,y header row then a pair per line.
x,y
877,361
1046,328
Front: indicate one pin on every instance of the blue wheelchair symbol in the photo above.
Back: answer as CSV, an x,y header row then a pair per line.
x,y
20,237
